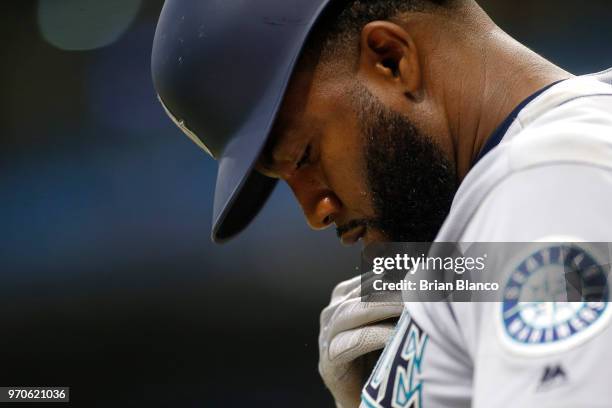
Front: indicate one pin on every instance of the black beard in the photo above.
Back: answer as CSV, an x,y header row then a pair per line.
x,y
411,180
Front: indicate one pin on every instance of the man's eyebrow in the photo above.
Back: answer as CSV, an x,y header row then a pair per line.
x,y
264,166
266,157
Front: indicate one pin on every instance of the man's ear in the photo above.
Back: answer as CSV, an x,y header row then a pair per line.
x,y
389,55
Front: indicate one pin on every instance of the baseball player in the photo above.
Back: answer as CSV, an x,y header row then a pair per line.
x,y
409,120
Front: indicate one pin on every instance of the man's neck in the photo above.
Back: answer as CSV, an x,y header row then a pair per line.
x,y
506,75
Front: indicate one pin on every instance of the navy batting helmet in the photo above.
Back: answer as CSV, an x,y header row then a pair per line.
x,y
220,69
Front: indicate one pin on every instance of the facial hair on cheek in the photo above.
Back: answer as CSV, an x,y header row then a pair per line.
x,y
412,183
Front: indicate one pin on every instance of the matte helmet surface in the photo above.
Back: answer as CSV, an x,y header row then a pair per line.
x,y
221,69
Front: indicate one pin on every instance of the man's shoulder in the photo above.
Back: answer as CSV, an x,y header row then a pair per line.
x,y
570,124
578,88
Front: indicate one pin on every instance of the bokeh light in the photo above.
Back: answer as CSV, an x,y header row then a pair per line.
x,y
77,25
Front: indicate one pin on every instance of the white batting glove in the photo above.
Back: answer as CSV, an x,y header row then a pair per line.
x,y
350,330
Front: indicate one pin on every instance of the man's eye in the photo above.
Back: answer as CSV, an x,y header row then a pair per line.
x,y
304,159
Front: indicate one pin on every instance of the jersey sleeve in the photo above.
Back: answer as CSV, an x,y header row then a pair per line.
x,y
424,365
544,354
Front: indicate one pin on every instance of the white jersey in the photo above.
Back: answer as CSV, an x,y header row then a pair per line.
x,y
549,180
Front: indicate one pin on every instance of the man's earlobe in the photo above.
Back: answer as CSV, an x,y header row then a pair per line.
x,y
389,53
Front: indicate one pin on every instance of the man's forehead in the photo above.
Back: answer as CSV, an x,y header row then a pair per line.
x,y
291,130
293,114
282,133
306,104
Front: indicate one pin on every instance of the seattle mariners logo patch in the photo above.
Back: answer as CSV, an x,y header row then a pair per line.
x,y
395,381
554,300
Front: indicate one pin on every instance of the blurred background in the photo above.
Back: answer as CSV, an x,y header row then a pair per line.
x,y
109,281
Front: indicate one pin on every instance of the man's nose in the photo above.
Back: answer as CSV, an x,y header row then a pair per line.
x,y
320,205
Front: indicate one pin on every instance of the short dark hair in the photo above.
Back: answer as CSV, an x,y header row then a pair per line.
x,y
338,29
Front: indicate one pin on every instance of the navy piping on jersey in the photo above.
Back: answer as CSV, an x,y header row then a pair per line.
x,y
499,133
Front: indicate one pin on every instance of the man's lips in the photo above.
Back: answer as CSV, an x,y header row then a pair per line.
x,y
352,236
